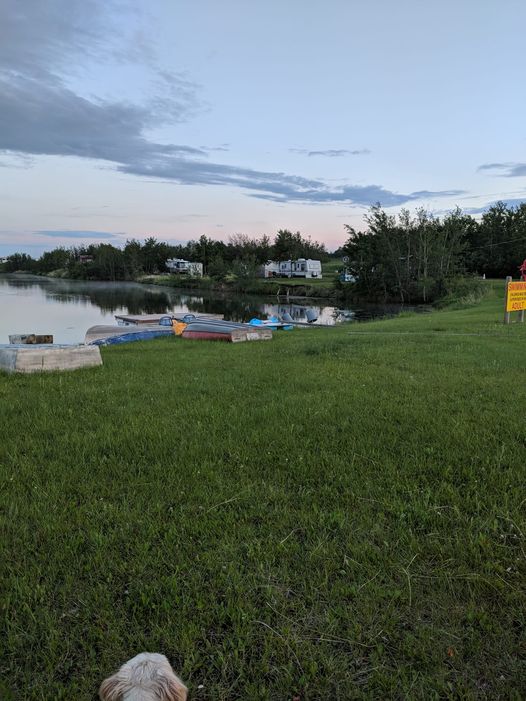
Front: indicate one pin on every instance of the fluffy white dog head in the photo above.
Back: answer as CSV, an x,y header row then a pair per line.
x,y
146,677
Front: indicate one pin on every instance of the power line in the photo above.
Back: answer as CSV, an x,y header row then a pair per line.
x,y
500,243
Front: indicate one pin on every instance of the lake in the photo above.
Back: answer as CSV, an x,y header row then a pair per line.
x,y
67,308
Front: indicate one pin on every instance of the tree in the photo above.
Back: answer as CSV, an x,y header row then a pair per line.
x,y
133,258
217,268
498,244
20,262
408,258
53,260
287,245
245,271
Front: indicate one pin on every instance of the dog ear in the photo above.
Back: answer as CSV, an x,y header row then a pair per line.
x,y
111,689
171,688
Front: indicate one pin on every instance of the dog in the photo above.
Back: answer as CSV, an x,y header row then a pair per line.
x,y
146,677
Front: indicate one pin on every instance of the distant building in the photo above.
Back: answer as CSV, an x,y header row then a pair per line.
x,y
179,266
85,259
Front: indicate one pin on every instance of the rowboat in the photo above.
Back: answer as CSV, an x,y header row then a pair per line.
x,y
228,331
114,335
273,323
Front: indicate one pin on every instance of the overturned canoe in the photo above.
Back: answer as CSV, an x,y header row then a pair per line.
x,y
113,335
230,332
46,358
209,336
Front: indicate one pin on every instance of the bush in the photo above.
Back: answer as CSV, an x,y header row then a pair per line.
x,y
461,291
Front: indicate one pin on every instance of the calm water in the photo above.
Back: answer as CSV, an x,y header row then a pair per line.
x,y
67,308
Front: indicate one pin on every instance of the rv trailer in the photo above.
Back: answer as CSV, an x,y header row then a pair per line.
x,y
302,267
179,266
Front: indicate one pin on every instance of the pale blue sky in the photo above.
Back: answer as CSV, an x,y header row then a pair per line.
x,y
199,117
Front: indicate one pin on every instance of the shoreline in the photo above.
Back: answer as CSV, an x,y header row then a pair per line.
x,y
257,287
292,290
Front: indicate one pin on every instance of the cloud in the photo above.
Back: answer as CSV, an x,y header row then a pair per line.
x,y
331,152
36,242
516,202
36,38
506,170
222,147
351,194
40,118
42,43
67,234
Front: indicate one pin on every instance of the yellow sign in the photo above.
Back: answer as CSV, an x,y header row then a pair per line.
x,y
515,296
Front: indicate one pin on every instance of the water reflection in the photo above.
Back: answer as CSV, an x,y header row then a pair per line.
x,y
107,296
66,308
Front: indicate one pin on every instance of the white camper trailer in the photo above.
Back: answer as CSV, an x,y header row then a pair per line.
x,y
302,267
184,267
270,269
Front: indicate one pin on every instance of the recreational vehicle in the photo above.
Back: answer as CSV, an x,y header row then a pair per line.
x,y
302,267
270,269
184,267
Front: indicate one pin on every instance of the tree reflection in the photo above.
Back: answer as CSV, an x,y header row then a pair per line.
x,y
134,298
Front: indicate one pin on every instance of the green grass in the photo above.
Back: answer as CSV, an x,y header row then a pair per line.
x,y
336,513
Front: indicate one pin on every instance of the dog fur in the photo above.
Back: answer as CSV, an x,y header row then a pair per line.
x,y
146,677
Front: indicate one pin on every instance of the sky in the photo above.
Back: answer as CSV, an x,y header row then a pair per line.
x,y
176,118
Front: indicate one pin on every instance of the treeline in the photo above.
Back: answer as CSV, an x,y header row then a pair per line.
x,y
240,257
415,257
410,257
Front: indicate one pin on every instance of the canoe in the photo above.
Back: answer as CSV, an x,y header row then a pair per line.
x,y
272,323
228,331
114,335
216,326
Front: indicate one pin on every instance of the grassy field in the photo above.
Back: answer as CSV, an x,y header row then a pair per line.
x,y
335,514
